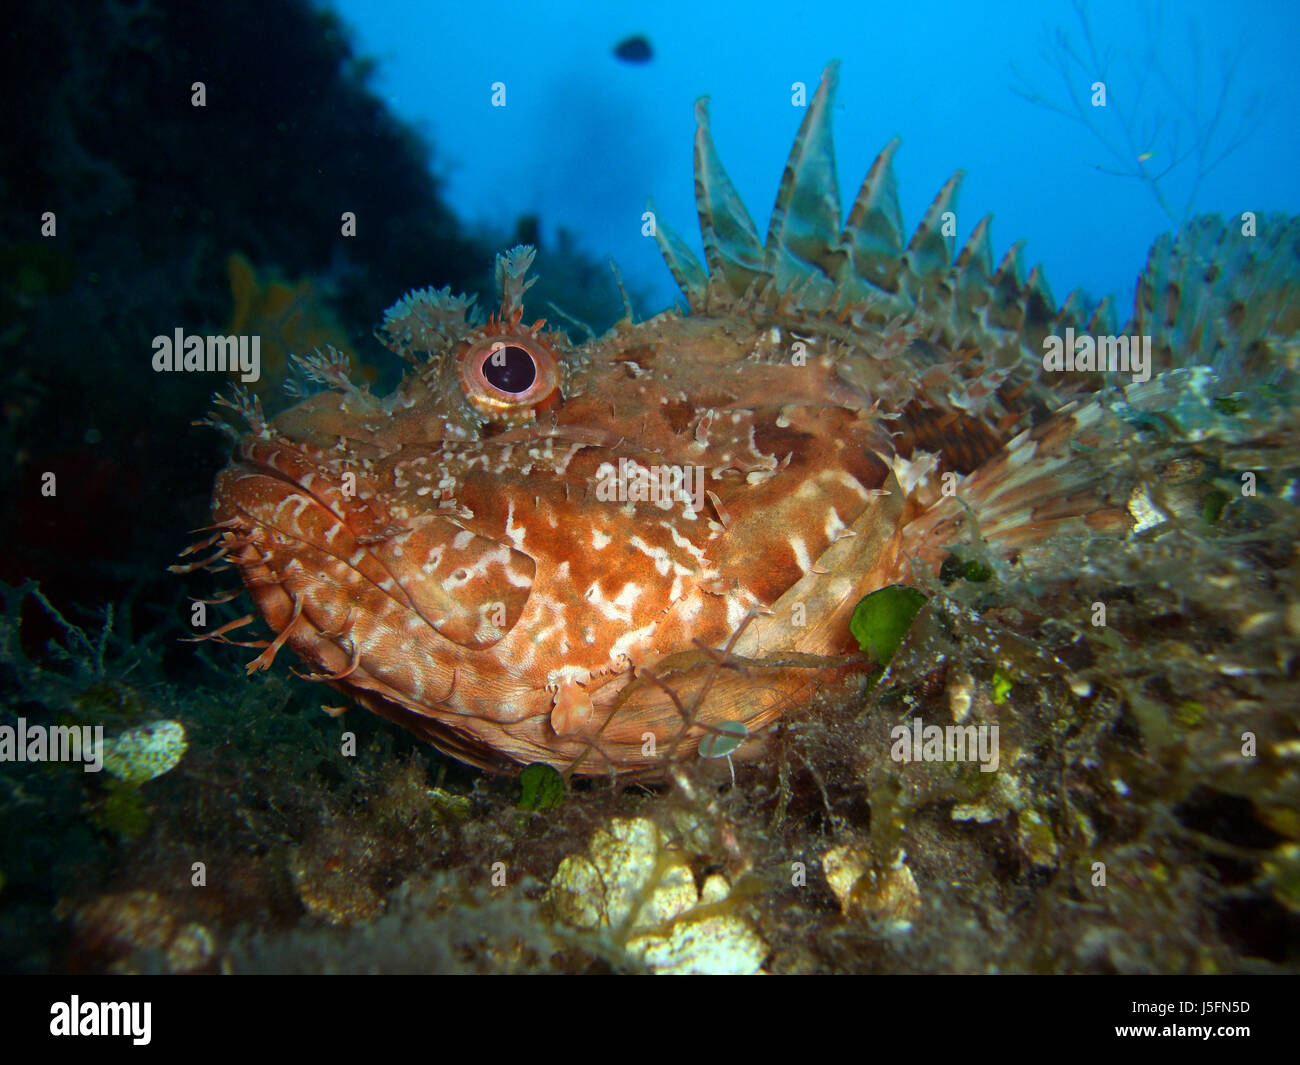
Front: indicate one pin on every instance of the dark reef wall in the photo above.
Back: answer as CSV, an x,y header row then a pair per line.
x,y
151,195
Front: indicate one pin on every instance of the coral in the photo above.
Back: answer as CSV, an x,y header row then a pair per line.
x,y
140,754
137,931
635,886
331,877
885,897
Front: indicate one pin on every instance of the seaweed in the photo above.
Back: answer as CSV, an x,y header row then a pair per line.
x,y
1141,139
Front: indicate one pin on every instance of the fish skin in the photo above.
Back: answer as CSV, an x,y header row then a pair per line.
x,y
444,555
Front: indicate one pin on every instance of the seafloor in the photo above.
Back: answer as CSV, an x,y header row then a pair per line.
x,y
1145,816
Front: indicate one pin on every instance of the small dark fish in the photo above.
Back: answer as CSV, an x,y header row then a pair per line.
x,y
634,50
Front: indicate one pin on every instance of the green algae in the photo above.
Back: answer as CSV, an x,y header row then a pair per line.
x,y
1189,713
882,618
122,812
955,567
1213,504
1002,684
541,788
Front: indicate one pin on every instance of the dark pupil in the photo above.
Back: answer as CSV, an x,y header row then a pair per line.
x,y
511,369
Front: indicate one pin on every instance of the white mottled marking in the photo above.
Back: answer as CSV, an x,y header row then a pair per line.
x,y
659,556
736,611
515,532
616,609
849,481
834,525
630,641
685,544
800,550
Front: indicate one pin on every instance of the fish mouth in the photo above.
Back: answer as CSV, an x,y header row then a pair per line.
x,y
329,593
319,552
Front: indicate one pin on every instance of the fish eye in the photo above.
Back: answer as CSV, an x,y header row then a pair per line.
x,y
510,368
508,376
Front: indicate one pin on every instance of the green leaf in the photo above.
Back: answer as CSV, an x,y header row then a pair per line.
x,y
715,745
542,788
1213,504
881,620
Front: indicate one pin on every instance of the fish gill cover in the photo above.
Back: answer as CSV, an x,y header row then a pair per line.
x,y
917,602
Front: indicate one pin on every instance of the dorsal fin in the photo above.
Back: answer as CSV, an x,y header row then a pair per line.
x,y
803,235
1040,316
929,252
1103,318
868,272
975,265
1008,283
874,230
691,277
731,245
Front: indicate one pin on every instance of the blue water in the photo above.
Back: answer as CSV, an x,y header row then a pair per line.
x,y
585,137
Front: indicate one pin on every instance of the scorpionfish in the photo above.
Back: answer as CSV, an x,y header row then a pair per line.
x,y
599,556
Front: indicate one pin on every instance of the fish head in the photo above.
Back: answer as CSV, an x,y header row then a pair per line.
x,y
494,553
